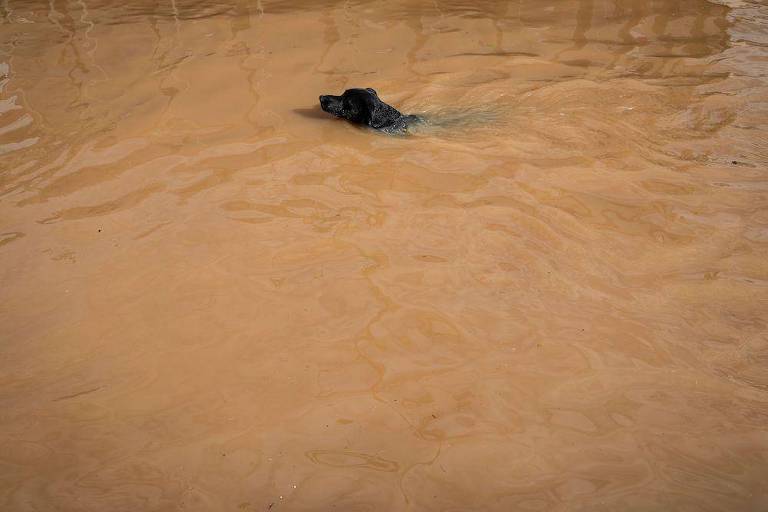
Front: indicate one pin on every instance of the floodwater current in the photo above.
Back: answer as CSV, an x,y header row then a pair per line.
x,y
552,297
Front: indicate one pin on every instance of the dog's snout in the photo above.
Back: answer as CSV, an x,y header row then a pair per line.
x,y
330,104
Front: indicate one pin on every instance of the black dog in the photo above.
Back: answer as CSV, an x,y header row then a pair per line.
x,y
363,106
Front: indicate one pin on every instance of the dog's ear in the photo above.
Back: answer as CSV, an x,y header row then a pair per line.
x,y
358,109
351,109
372,91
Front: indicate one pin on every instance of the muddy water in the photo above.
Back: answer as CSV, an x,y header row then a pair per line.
x,y
552,298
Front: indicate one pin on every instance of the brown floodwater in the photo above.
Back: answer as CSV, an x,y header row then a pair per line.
x,y
552,296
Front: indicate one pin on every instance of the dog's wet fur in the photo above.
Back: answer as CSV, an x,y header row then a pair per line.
x,y
363,106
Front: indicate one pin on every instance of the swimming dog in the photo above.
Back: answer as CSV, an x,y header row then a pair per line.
x,y
363,106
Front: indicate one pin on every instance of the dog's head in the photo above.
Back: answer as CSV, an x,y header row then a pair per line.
x,y
356,105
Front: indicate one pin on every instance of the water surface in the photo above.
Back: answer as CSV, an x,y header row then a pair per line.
x,y
215,297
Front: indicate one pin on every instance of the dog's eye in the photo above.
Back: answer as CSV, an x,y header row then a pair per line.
x,y
372,91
